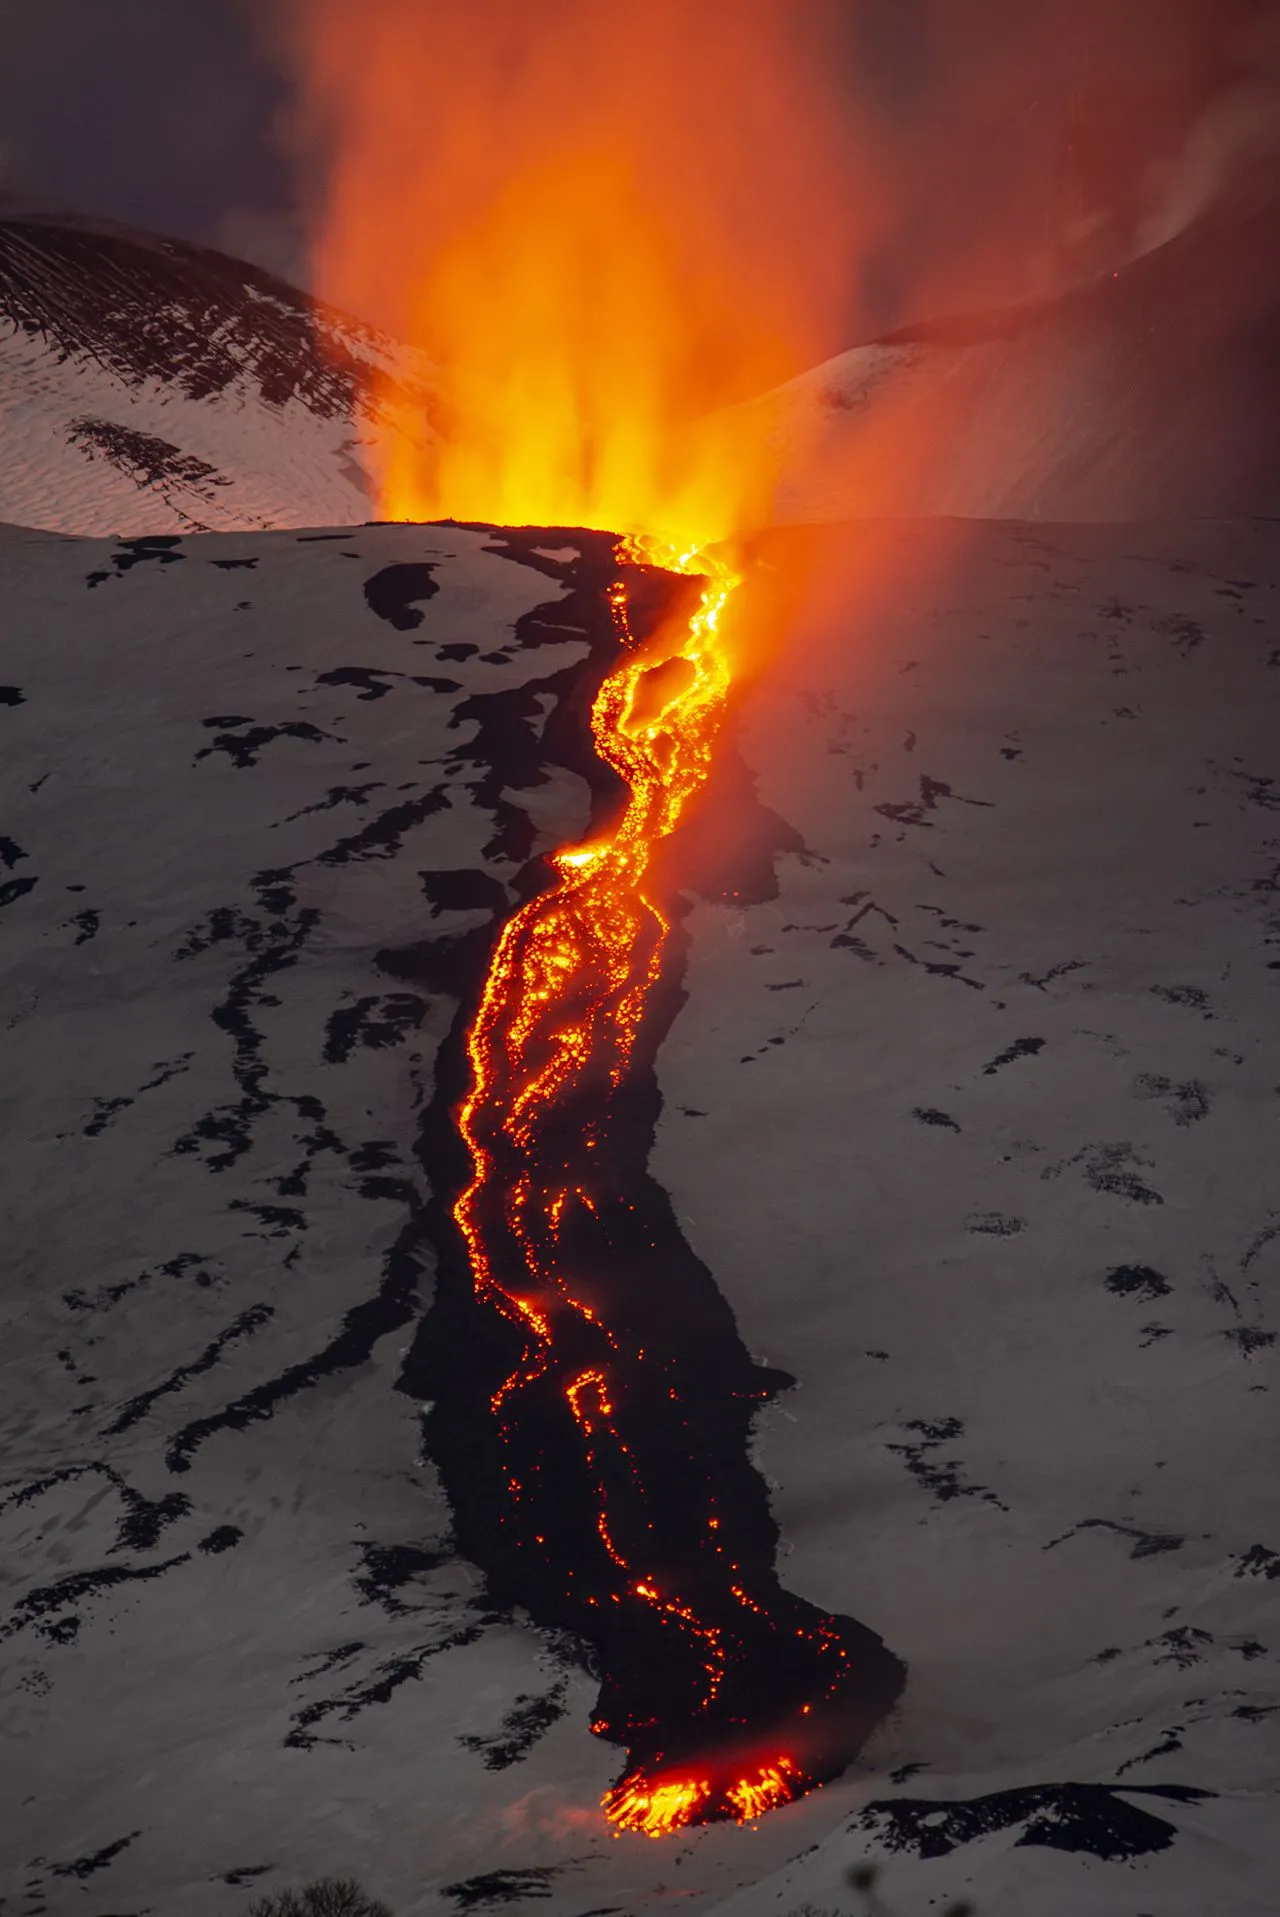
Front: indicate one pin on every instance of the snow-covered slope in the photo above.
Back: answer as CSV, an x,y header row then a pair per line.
x,y
147,385
1151,393
973,1121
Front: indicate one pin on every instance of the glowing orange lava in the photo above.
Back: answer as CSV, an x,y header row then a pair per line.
x,y
560,1011
658,1809
604,225
763,1790
709,1658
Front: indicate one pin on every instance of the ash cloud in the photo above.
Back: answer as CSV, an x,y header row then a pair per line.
x,y
1032,144
1020,145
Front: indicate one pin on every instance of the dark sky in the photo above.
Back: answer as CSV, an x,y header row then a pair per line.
x,y
1034,113
159,112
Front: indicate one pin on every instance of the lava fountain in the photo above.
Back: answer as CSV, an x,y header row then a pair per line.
x,y
604,224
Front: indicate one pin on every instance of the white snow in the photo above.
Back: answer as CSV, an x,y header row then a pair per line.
x,y
269,467
1047,1494
150,387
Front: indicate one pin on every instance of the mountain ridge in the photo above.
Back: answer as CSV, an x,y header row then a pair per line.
x,y
151,385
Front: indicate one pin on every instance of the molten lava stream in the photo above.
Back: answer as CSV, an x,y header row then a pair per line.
x,y
619,1438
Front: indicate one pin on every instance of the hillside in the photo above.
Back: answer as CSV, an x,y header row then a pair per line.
x,y
152,386
967,1112
1151,393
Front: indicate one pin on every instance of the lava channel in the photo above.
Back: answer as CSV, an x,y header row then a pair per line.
x,y
592,1398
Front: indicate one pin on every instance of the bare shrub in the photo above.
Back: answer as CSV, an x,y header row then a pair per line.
x,y
327,1897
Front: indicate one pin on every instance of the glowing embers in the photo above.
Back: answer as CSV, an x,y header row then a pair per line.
x,y
657,1808
765,1789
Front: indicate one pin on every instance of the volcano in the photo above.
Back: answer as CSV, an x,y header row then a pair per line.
x,y
929,1226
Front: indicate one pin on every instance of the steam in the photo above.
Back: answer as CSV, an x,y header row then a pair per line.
x,y
1232,151
601,223
271,240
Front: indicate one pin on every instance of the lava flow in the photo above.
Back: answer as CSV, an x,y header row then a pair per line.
x,y
604,227
732,1696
